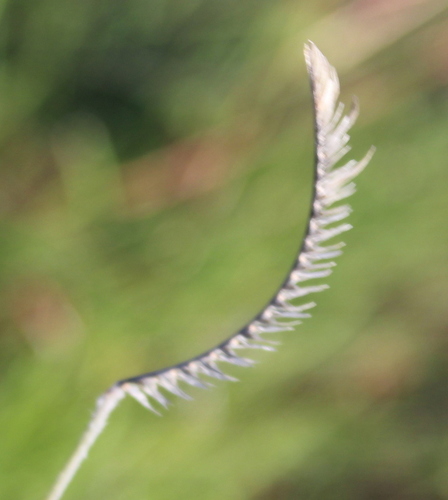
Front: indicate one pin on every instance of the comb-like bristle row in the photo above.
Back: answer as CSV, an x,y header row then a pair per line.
x,y
332,184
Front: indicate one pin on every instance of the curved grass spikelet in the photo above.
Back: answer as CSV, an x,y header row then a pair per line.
x,y
332,184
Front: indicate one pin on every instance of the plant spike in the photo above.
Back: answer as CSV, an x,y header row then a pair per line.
x,y
331,184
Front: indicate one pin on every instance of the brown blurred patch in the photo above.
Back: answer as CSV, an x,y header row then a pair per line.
x,y
382,367
182,171
27,171
45,315
434,54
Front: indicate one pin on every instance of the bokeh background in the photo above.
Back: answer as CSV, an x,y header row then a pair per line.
x,y
155,176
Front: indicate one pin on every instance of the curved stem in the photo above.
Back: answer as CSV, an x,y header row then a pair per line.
x,y
105,405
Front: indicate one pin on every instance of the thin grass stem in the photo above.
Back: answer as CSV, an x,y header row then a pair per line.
x,y
106,404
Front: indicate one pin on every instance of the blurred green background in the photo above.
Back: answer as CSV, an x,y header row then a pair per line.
x,y
155,177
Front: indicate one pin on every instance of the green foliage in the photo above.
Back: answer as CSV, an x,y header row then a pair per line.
x,y
155,168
